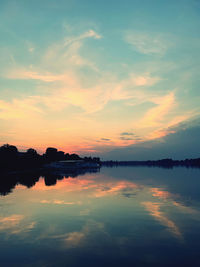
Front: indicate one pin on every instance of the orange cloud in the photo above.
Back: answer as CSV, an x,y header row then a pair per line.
x,y
154,117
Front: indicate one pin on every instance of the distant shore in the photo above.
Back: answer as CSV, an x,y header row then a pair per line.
x,y
164,163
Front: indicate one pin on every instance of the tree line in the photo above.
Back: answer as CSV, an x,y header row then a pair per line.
x,y
12,159
163,163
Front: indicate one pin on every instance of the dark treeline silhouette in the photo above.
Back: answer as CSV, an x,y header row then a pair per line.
x,y
8,181
11,159
164,163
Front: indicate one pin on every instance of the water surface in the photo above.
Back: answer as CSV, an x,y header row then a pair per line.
x,y
124,216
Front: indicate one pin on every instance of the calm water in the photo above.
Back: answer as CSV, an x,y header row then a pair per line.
x,y
124,216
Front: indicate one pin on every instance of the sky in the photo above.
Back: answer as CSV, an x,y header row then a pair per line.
x,y
102,77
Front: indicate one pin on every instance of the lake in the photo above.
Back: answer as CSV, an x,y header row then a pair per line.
x,y
120,216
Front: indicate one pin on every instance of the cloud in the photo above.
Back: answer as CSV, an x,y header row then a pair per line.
x,y
178,142
88,34
144,80
126,138
148,43
69,90
23,74
61,67
66,54
19,109
154,117
127,133
74,90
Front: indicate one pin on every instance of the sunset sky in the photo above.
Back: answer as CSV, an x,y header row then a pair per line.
x,y
92,77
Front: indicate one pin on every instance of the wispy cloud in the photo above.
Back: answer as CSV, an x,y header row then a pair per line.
x,y
127,133
155,115
19,109
88,34
148,43
105,139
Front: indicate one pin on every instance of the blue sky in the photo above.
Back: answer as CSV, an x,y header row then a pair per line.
x,y
78,74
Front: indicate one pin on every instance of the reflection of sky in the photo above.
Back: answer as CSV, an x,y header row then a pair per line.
x,y
77,212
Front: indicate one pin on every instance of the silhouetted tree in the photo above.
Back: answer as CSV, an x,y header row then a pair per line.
x,y
31,152
8,156
74,157
51,154
60,155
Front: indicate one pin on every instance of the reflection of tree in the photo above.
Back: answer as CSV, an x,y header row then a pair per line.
x,y
29,179
25,164
8,181
50,179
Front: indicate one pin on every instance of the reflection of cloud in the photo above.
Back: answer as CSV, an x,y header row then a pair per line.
x,y
10,221
154,209
14,224
97,189
157,192
68,185
85,212
171,198
88,232
185,209
74,239
24,228
57,202
115,188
